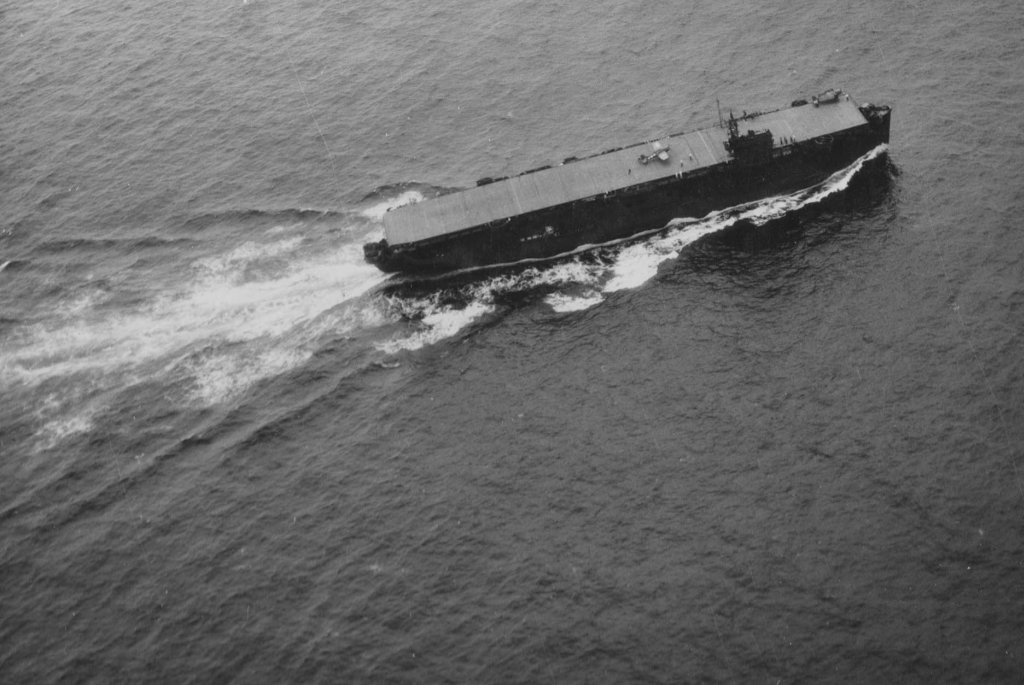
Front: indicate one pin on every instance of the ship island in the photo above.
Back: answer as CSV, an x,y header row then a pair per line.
x,y
560,209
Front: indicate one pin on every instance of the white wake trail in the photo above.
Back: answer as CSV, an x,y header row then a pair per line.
x,y
255,311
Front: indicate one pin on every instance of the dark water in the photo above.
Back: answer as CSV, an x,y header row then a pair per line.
x,y
782,444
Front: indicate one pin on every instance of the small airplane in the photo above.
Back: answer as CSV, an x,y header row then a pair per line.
x,y
660,151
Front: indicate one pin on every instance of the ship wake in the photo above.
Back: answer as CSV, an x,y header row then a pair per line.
x,y
197,323
250,297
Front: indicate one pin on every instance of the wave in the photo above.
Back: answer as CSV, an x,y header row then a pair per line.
x,y
103,244
391,195
389,191
377,211
248,215
12,265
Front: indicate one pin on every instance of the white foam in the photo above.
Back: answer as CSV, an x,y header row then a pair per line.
x,y
292,303
247,253
54,432
573,303
226,374
377,211
87,297
635,265
437,325
567,272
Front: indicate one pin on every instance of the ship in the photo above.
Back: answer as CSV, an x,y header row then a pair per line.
x,y
614,195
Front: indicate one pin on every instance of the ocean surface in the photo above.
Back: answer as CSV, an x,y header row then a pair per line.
x,y
782,444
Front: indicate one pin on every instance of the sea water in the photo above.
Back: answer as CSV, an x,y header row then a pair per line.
x,y
781,443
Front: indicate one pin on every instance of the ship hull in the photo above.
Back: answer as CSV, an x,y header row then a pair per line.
x,y
567,227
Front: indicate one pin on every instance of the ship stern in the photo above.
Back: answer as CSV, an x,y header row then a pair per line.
x,y
379,254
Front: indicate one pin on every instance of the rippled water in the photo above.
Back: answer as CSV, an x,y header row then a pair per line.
x,y
780,443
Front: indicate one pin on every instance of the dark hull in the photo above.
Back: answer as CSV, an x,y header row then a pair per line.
x,y
596,220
